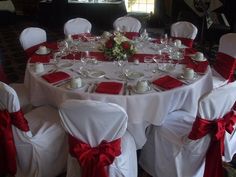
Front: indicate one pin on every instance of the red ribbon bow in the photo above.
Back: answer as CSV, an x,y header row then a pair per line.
x,y
202,127
7,145
93,160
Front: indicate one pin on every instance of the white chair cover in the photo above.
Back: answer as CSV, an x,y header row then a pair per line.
x,y
226,46
77,26
32,36
93,121
42,151
168,151
127,24
183,29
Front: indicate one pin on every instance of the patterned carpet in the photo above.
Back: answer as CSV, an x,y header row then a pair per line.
x,y
14,62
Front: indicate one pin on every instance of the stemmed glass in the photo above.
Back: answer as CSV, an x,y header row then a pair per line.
x,y
158,60
148,60
84,59
120,65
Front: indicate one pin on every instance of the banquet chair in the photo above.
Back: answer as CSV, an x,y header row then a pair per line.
x,y
32,144
189,146
184,31
225,63
32,36
98,140
127,24
77,26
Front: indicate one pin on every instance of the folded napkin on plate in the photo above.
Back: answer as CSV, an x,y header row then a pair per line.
x,y
40,58
55,77
167,82
199,67
109,87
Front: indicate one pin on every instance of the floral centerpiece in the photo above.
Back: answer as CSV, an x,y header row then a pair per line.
x,y
118,47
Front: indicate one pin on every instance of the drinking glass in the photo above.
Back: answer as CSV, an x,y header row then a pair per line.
x,y
148,60
84,58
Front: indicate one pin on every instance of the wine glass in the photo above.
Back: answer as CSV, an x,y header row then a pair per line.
x,y
148,60
84,58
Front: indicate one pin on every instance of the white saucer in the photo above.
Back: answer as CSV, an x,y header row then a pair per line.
x,y
139,92
68,86
45,53
64,65
135,75
183,78
193,58
96,74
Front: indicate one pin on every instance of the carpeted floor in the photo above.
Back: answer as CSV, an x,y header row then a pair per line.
x,y
14,62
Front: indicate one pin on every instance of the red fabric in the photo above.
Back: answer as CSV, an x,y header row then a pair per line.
x,y
7,145
3,76
98,55
216,128
225,65
55,76
197,66
109,87
189,51
81,37
167,82
94,160
186,41
131,35
40,58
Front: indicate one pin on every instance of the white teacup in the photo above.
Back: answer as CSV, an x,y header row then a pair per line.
x,y
42,49
199,56
188,73
76,82
142,86
177,43
39,68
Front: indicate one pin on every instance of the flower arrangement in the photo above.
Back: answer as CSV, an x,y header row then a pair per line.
x,y
118,47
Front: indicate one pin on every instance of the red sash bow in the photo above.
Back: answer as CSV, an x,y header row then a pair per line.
x,y
186,41
93,160
202,127
7,145
225,65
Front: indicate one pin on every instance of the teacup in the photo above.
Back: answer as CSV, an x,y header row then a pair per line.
x,y
76,82
188,73
199,56
142,86
177,43
39,68
42,49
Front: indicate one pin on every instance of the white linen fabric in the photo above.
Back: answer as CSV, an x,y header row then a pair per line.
x,y
226,46
77,26
183,29
127,24
93,121
42,150
168,151
32,36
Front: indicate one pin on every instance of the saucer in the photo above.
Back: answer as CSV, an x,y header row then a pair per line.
x,y
96,74
195,59
68,86
141,92
183,78
39,53
135,75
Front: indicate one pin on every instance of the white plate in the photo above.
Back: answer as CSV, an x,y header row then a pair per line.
x,y
64,65
183,78
96,74
68,86
139,92
135,75
39,53
193,58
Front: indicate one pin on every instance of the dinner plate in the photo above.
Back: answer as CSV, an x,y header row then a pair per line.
x,y
96,74
39,53
134,75
68,86
64,65
141,92
193,58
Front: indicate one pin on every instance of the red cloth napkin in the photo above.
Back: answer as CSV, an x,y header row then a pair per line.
x,y
55,77
197,66
81,37
131,35
167,82
40,58
109,87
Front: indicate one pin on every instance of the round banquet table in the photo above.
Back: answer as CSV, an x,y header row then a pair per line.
x,y
142,109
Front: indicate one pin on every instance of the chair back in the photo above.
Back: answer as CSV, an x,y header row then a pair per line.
x,y
184,29
93,121
227,44
77,26
32,36
127,24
